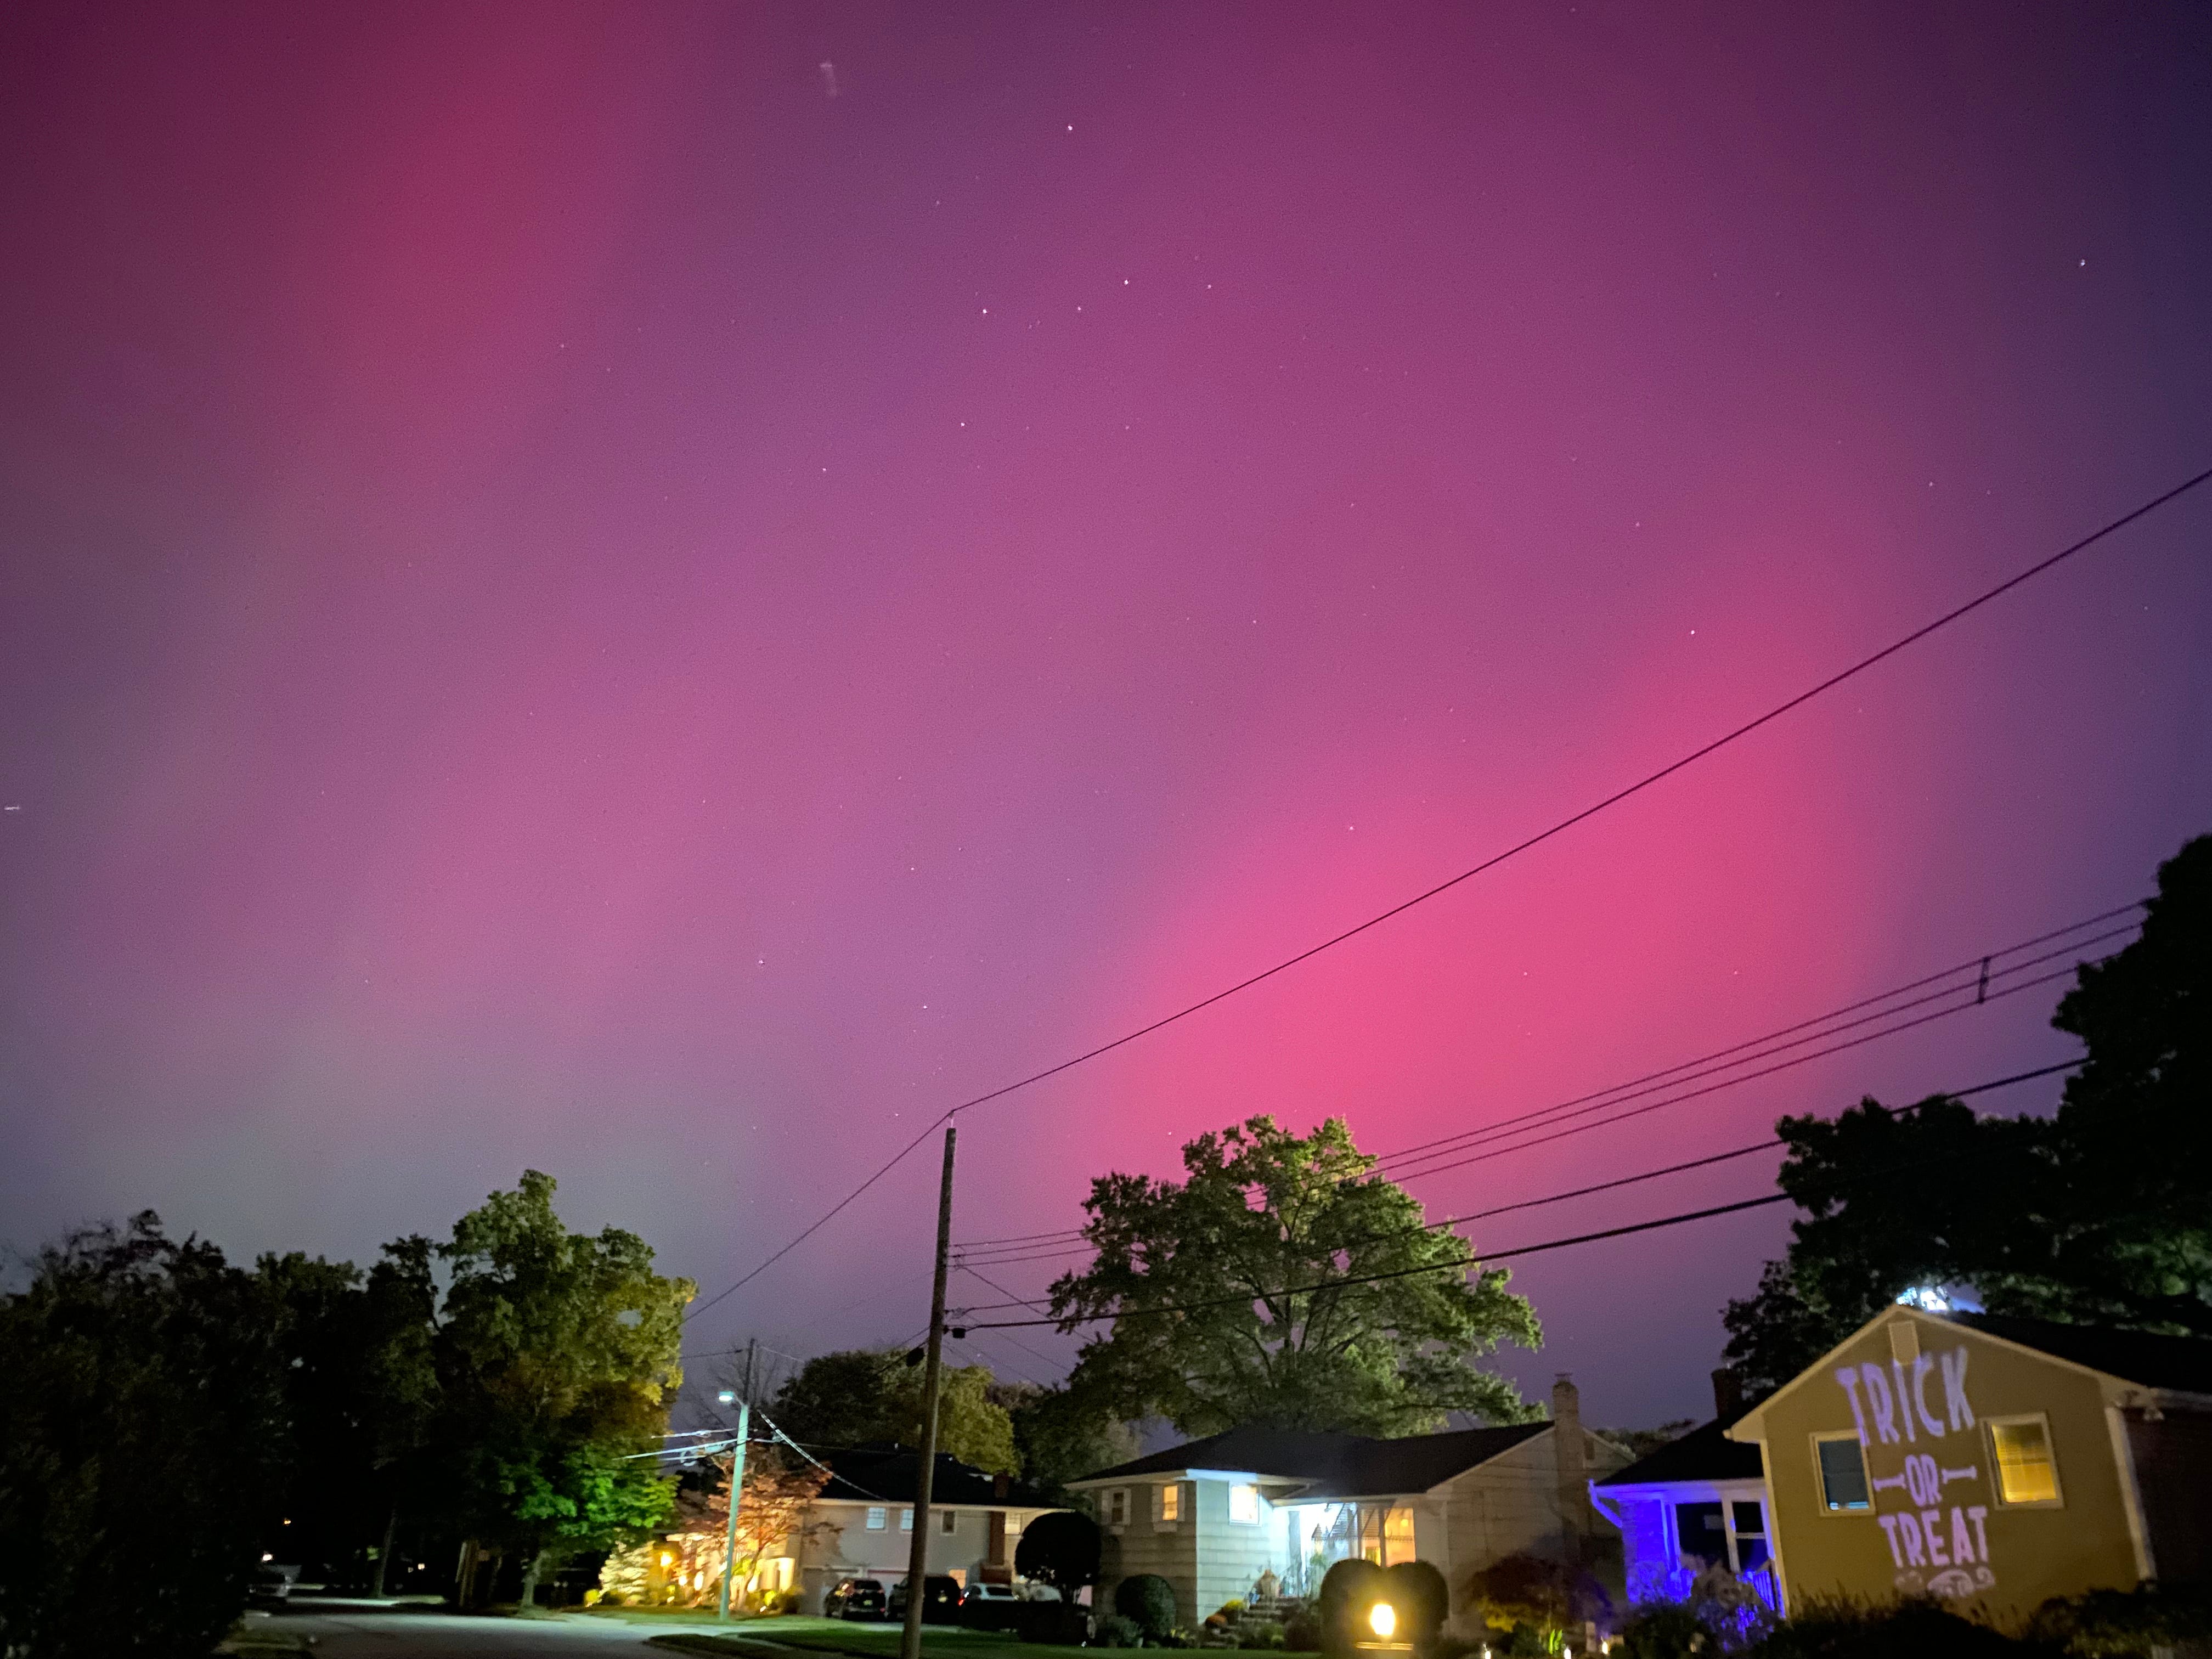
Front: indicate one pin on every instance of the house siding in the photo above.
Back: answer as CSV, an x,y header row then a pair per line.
x,y
841,1545
2022,1555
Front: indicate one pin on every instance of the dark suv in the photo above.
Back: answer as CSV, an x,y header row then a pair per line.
x,y
854,1598
940,1600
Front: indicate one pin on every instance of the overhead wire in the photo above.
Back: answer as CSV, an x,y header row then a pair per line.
x,y
1526,844
1425,1155
1482,1258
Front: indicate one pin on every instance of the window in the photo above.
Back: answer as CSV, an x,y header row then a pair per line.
x,y
878,1517
1167,1502
947,1520
1244,1504
1747,1527
1699,1536
906,1520
1117,1507
2019,1448
1397,1536
1841,1463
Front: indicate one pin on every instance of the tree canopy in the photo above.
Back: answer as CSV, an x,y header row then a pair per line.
x,y
556,1355
1261,1215
2095,1215
143,1439
863,1396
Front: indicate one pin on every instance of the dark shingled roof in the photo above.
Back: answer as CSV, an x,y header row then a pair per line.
x,y
877,1474
1336,1465
1705,1454
2182,1363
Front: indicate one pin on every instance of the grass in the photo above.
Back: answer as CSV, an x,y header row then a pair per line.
x,y
862,1642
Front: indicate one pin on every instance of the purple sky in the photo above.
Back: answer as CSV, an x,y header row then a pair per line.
x,y
662,593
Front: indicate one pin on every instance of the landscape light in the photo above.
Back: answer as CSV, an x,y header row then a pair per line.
x,y
1382,1617
728,1396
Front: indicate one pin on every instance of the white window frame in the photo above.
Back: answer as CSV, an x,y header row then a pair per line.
x,y
879,1518
1819,1438
1245,1505
1166,1496
952,1521
1990,1427
906,1519
1117,1507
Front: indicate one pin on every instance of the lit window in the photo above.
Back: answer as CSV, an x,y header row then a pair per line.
x,y
1397,1536
879,1518
906,1520
2021,1449
1244,1504
1167,1502
1843,1471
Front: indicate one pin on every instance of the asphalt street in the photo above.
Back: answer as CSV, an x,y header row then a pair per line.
x,y
368,1630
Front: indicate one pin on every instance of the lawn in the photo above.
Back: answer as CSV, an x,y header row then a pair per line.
x,y
862,1641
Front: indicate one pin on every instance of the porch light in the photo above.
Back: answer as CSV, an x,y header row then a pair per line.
x,y
1382,1619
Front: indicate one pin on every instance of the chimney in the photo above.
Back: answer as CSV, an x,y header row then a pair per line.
x,y
999,1483
1727,1395
1567,1449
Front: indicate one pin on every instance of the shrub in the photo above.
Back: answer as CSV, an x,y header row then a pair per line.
x,y
1149,1600
1664,1630
1347,1590
1115,1631
1903,1630
2124,1624
1259,1633
1418,1591
1302,1631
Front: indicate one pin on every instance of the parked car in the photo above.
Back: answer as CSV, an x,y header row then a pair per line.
x,y
990,1607
271,1583
940,1600
854,1598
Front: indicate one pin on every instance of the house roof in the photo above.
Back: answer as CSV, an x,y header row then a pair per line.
x,y
2180,1362
1704,1454
884,1473
1333,1465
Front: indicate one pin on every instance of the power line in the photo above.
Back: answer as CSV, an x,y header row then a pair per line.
x,y
1404,1273
1495,859
1031,1245
1581,1192
1011,1257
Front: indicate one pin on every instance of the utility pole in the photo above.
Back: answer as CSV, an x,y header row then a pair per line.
x,y
736,1484
917,1560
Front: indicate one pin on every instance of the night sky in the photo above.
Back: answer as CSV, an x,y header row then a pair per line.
x,y
661,593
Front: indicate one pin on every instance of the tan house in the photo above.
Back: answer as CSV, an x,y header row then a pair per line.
x,y
1993,1462
1214,1516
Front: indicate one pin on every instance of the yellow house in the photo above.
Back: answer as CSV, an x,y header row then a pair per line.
x,y
1992,1463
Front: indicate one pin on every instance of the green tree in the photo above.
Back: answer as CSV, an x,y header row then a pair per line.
x,y
1065,1433
360,1389
142,1429
556,1356
860,1397
2095,1215
1262,1215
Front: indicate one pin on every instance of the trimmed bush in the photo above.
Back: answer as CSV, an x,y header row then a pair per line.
x,y
1149,1601
1302,1631
1347,1590
1418,1591
1115,1631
